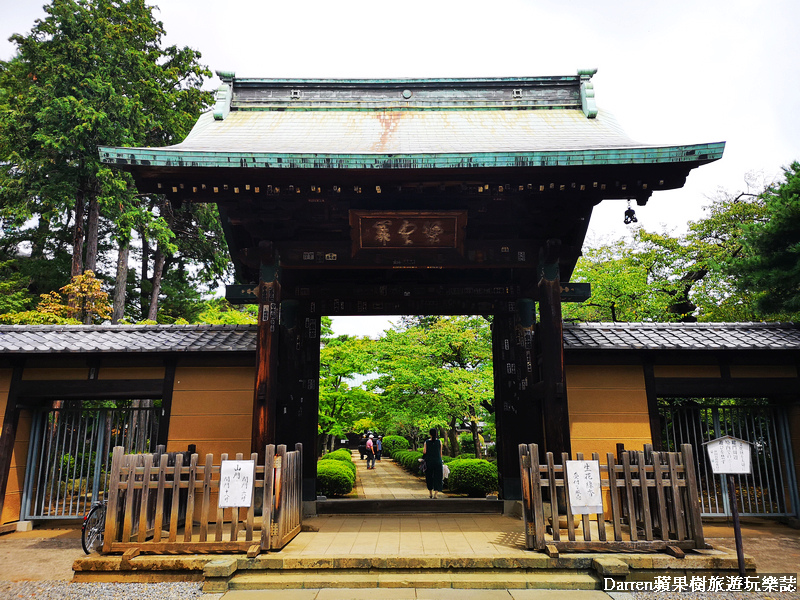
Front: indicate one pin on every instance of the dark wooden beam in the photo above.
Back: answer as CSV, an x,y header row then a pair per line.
x,y
9,434
518,411
652,404
266,384
718,387
70,389
170,366
298,402
551,344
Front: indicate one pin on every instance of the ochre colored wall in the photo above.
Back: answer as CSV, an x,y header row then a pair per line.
x,y
212,407
607,405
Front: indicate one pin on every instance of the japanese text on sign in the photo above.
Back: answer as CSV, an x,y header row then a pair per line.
x,y
583,480
236,483
729,455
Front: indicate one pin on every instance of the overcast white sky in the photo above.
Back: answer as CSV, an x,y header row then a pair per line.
x,y
683,71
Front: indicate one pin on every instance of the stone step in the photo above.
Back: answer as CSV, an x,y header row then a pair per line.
x,y
410,506
411,578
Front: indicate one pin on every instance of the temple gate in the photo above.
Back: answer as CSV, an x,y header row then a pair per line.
x,y
409,196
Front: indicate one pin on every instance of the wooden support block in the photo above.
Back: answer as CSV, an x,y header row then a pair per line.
x,y
676,552
254,551
127,557
551,550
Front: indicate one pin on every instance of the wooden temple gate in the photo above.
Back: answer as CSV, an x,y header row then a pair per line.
x,y
411,196
149,501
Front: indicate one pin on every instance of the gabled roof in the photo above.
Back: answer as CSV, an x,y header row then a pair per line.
x,y
48,339
408,123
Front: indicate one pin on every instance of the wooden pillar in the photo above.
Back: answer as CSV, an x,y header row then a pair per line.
x,y
9,433
551,344
517,411
298,404
266,385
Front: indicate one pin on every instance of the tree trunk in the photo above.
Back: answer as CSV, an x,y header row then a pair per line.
x,y
77,237
121,283
92,225
476,438
143,278
453,436
158,270
40,241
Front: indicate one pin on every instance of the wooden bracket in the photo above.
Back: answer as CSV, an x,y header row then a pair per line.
x,y
127,557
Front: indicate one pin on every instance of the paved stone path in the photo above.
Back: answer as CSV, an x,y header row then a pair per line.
x,y
387,481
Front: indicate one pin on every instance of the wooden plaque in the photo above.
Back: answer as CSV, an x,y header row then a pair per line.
x,y
407,230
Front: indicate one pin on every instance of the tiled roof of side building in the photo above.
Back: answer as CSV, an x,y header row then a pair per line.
x,y
45,339
682,336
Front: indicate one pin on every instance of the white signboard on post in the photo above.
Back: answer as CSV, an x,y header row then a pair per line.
x,y
583,481
729,456
236,479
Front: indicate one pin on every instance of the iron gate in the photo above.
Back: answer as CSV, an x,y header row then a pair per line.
x,y
771,489
69,455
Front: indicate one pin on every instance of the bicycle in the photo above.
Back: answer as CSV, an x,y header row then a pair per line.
x,y
93,528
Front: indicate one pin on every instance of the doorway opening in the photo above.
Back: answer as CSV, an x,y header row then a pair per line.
x,y
395,382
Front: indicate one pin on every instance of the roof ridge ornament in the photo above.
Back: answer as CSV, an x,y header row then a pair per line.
x,y
588,103
223,97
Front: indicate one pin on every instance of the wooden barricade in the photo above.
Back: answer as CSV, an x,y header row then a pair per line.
x,y
148,497
653,504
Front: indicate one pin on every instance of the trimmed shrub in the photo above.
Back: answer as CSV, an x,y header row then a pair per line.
x,y
408,459
467,444
343,456
447,459
466,455
393,443
334,478
473,477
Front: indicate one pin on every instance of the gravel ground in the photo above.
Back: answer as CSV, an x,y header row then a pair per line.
x,y
63,590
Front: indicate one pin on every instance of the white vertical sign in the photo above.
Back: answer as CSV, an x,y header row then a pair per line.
x,y
236,483
583,480
729,456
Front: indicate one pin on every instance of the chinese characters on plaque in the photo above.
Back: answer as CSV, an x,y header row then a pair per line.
x,y
236,483
392,230
729,455
583,481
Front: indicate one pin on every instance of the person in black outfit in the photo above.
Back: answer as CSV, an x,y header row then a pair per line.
x,y
432,454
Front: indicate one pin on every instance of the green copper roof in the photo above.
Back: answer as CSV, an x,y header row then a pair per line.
x,y
407,124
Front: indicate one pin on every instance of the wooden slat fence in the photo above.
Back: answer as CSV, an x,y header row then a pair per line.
x,y
142,517
653,503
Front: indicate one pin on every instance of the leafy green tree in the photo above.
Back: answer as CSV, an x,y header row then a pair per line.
x,y
771,267
342,402
90,73
433,373
660,277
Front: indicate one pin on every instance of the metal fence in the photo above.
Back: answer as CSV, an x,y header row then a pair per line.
x,y
771,489
69,455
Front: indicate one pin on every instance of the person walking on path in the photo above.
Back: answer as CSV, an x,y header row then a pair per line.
x,y
378,447
370,452
432,454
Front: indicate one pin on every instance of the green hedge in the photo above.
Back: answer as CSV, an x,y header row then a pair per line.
x,y
408,459
474,477
466,455
467,444
334,478
343,456
393,443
